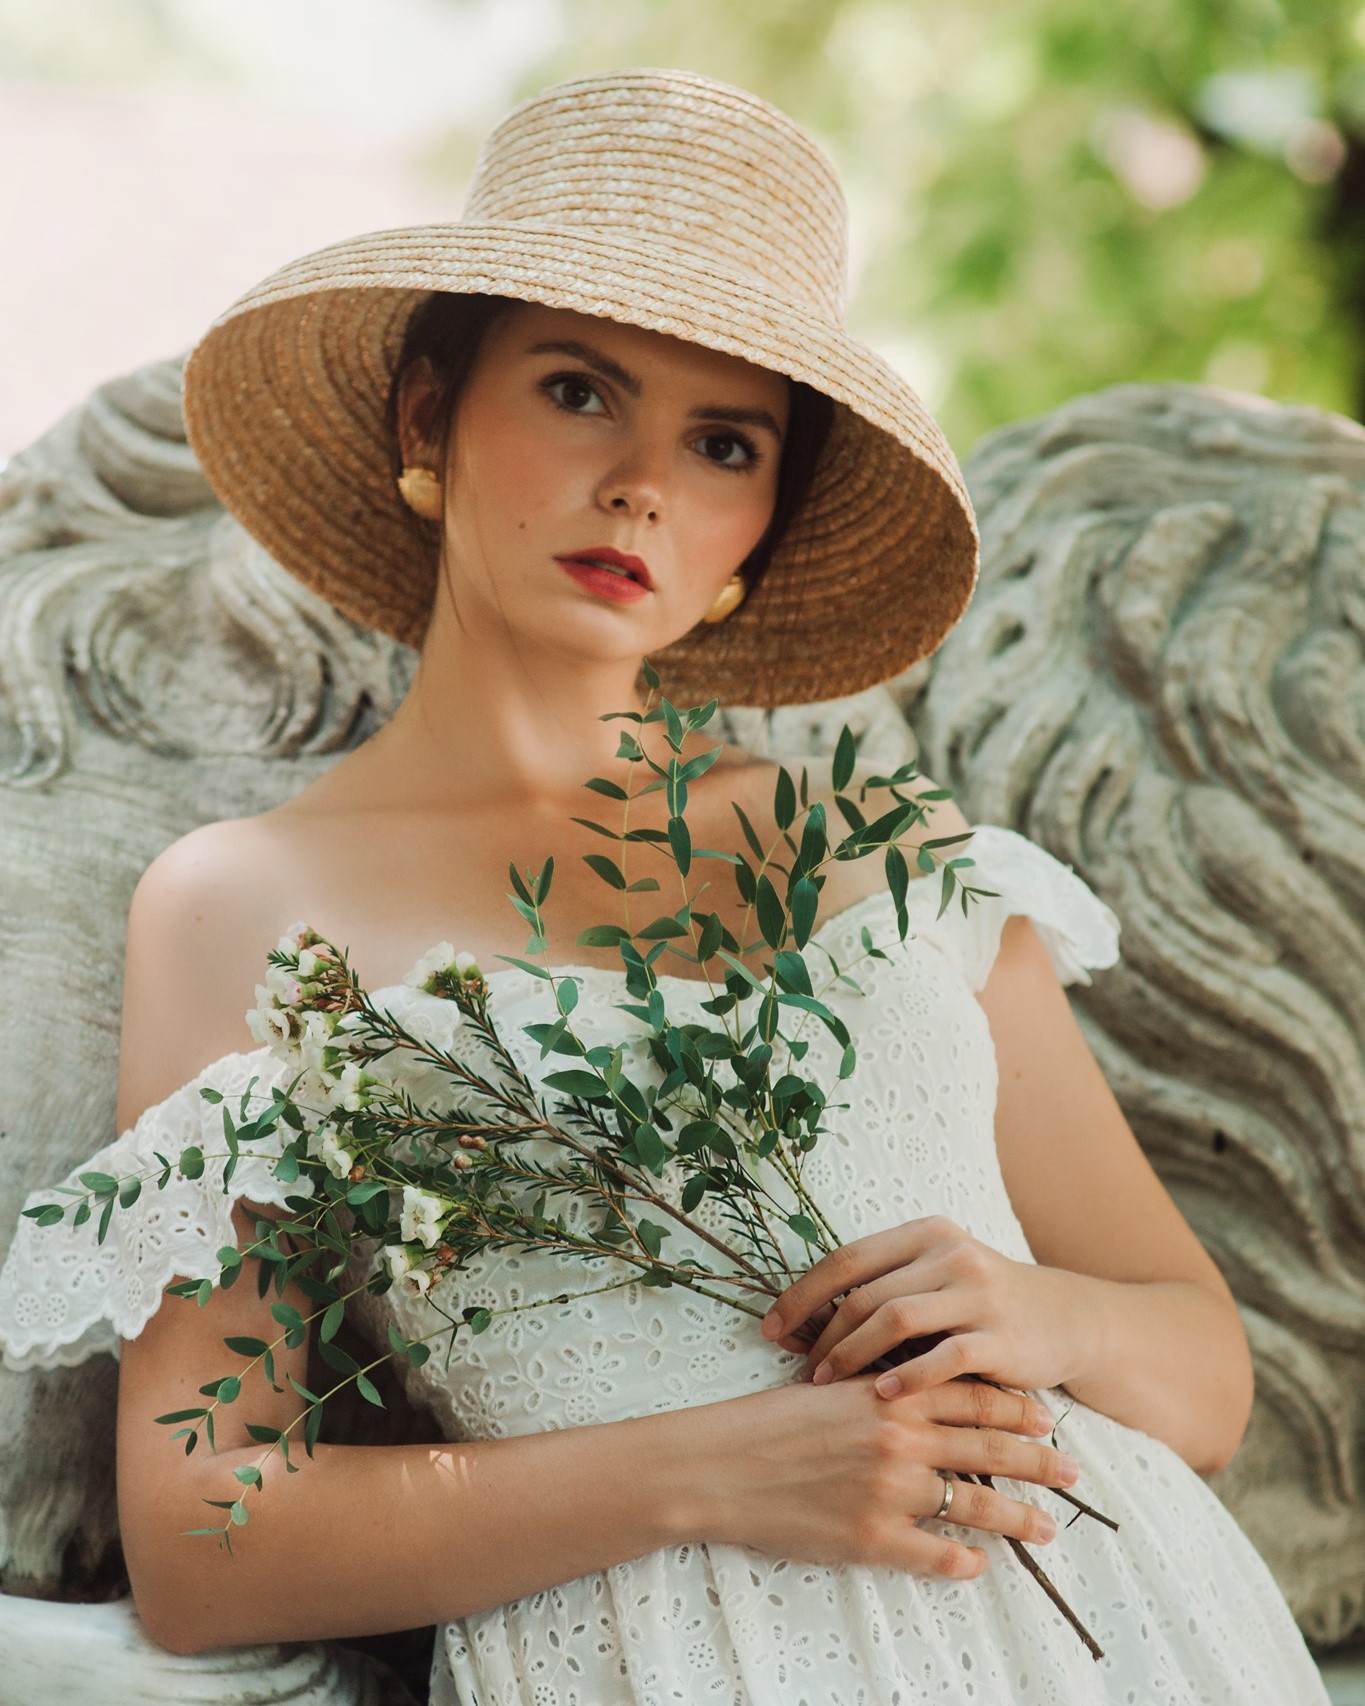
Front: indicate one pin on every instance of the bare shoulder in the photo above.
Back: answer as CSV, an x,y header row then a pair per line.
x,y
203,917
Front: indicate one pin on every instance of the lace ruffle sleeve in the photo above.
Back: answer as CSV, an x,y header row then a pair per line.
x,y
64,1295
1080,932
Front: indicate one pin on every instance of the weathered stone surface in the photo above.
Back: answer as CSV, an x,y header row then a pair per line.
x,y
123,592
1161,679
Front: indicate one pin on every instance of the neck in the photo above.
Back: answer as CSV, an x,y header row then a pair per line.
x,y
491,724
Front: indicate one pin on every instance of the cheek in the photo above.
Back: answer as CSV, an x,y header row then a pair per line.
x,y
720,528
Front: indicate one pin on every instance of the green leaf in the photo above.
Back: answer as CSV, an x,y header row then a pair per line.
x,y
643,885
526,965
237,1512
182,1416
211,1095
792,972
651,1236
245,1347
48,1214
692,1192
784,798
673,724
228,1389
192,1162
518,885
101,1184
368,1391
603,936
609,871
712,934
663,929
680,840
332,1318
479,1320
585,1085
814,839
771,913
804,1228
805,901
845,758
750,834
650,674
248,1474
652,1150
600,785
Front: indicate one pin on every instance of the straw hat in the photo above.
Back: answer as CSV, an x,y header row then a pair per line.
x,y
659,199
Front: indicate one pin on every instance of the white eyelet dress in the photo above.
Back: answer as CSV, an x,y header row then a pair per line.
x,y
1184,1608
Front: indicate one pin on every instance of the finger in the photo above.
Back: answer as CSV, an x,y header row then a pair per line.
x,y
959,1354
845,1346
930,1554
975,1506
981,1404
988,1451
853,1264
805,1333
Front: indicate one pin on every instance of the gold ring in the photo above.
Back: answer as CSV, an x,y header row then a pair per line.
x,y
947,1505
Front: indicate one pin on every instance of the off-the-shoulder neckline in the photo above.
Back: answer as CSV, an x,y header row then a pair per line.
x,y
843,918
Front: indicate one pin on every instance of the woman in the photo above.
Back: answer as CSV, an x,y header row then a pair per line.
x,y
613,414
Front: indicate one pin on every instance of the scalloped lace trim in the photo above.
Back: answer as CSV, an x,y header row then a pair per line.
x,y
65,1296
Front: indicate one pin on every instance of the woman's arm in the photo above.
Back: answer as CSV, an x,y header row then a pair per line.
x,y
363,1539
1157,1340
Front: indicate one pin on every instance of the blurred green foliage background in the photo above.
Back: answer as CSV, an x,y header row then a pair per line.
x,y
1055,195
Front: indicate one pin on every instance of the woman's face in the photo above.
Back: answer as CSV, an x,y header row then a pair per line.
x,y
576,435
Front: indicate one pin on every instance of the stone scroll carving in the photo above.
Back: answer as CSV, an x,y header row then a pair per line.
x,y
123,591
1161,679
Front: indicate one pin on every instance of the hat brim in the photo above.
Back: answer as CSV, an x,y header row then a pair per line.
x,y
285,403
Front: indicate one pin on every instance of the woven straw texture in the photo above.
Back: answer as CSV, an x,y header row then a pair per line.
x,y
662,200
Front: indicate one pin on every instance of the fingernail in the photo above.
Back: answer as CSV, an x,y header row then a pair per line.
x,y
1042,1421
771,1325
1047,1529
822,1375
888,1385
1069,1471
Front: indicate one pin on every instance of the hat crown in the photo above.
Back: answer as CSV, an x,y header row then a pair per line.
x,y
675,163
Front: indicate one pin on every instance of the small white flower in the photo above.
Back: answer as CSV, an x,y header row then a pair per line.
x,y
292,940
334,1158
437,959
353,1087
314,1039
420,1221
283,985
310,963
270,1024
403,1270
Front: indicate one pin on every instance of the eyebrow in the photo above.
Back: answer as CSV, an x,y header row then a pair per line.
x,y
733,414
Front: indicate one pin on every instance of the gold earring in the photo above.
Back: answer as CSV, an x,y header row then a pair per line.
x,y
421,492
731,596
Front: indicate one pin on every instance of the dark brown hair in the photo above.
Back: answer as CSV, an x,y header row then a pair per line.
x,y
449,328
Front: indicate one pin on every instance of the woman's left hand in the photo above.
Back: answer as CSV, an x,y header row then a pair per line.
x,y
1012,1322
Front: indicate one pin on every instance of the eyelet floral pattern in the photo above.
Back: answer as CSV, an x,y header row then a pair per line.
x,y
1184,1607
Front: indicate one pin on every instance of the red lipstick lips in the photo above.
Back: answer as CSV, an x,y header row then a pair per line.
x,y
611,574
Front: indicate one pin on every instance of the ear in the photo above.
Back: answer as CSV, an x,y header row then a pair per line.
x,y
419,394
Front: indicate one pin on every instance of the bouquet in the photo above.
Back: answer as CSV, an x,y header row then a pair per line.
x,y
674,1158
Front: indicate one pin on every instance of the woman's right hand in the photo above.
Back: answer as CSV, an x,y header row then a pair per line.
x,y
835,1474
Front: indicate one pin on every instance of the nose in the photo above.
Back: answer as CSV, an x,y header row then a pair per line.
x,y
635,484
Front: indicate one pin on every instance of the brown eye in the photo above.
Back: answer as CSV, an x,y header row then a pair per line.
x,y
571,390
730,441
